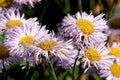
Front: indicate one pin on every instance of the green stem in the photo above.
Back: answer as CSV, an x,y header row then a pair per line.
x,y
30,73
110,12
43,12
92,4
73,72
3,37
59,3
67,8
96,77
80,5
27,71
53,72
81,71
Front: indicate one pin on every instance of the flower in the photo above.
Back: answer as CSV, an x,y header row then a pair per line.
x,y
115,51
20,38
95,55
113,73
6,4
84,25
59,51
11,19
30,3
5,58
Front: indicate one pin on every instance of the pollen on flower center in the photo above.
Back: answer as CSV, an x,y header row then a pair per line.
x,y
27,40
85,26
12,23
92,54
3,52
6,3
115,52
47,45
115,70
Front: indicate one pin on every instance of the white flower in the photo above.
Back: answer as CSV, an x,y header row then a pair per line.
x,y
114,50
95,55
84,25
30,3
6,59
113,73
20,38
56,49
11,19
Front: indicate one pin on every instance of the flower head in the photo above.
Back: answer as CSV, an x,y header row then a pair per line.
x,y
112,73
95,55
12,18
20,38
84,25
115,51
6,3
56,49
5,58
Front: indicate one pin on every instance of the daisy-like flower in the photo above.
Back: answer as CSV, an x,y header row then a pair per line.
x,y
56,49
30,3
115,51
84,25
6,5
20,38
95,55
113,73
5,58
11,19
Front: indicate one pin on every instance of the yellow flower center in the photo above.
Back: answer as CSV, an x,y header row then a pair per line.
x,y
3,52
115,70
6,3
27,41
12,23
85,26
47,45
92,54
115,52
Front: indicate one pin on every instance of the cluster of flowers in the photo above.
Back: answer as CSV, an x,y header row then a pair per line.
x,y
80,36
